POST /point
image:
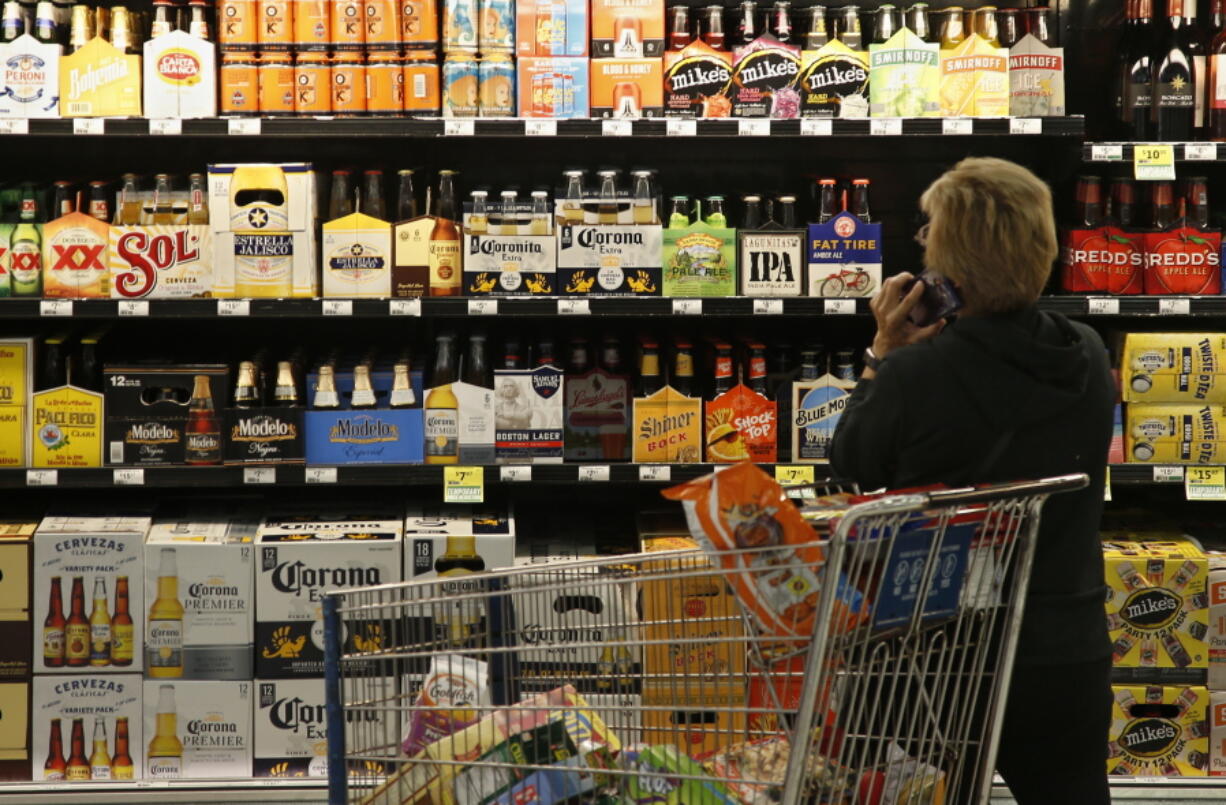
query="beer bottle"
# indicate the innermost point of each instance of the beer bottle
(715, 212)
(611, 355)
(713, 28)
(539, 223)
(952, 31)
(198, 25)
(100, 627)
(1123, 199)
(402, 386)
(78, 765)
(13, 23)
(442, 415)
(859, 200)
(753, 212)
(1162, 204)
(203, 432)
(121, 763)
(649, 380)
(76, 629)
(87, 369)
(1007, 24)
(644, 211)
(54, 767)
(326, 396)
(122, 638)
(246, 395)
(679, 212)
(81, 29)
(1138, 75)
(285, 393)
(53, 627)
(810, 368)
(163, 18)
(363, 392)
(340, 202)
(849, 27)
(781, 21)
(164, 648)
(512, 357)
(163, 207)
(747, 23)
(757, 368)
(1089, 202)
(985, 25)
(723, 369)
(787, 212)
(508, 219)
(1036, 24)
(44, 23)
(572, 204)
(123, 37)
(372, 194)
(53, 369)
(544, 353)
(129, 202)
(679, 33)
(829, 205)
(444, 245)
(197, 200)
(1197, 195)
(26, 251)
(816, 36)
(460, 558)
(1173, 105)
(406, 201)
(477, 366)
(479, 218)
(63, 203)
(916, 18)
(165, 758)
(99, 759)
(99, 202)
(886, 23)
(580, 357)
(606, 210)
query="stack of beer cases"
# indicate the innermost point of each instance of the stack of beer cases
(1217, 660)
(551, 46)
(199, 578)
(301, 554)
(86, 710)
(16, 644)
(1157, 616)
(627, 67)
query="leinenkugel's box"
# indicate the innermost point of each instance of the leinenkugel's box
(31, 78)
(180, 76)
(106, 710)
(100, 80)
(198, 729)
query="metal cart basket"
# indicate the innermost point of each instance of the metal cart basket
(647, 678)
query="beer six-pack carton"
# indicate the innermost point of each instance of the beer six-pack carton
(816, 408)
(199, 595)
(148, 422)
(66, 422)
(16, 384)
(378, 434)
(31, 78)
(357, 257)
(89, 594)
(608, 251)
(510, 254)
(1174, 433)
(845, 257)
(87, 726)
(528, 415)
(16, 748)
(198, 729)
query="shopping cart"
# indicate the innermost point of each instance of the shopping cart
(644, 678)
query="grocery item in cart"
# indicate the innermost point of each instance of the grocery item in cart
(653, 783)
(455, 687)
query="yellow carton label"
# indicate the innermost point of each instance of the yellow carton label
(12, 436)
(15, 359)
(357, 257)
(67, 428)
(75, 259)
(14, 580)
(1157, 612)
(974, 79)
(1174, 367)
(667, 428)
(100, 81)
(1159, 731)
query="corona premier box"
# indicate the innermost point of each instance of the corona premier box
(904, 77)
(16, 383)
(89, 594)
(16, 637)
(161, 262)
(302, 555)
(699, 260)
(199, 594)
(198, 729)
(974, 79)
(511, 253)
(1158, 610)
(15, 746)
(291, 728)
(1036, 79)
(357, 257)
(75, 260)
(104, 710)
(1159, 731)
(180, 76)
(833, 81)
(844, 257)
(471, 409)
(100, 81)
(31, 78)
(1174, 367)
(627, 29)
(1169, 433)
(528, 415)
(741, 425)
(145, 418)
(627, 88)
(817, 406)
(667, 428)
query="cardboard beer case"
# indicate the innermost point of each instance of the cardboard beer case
(212, 721)
(1159, 731)
(528, 420)
(1036, 79)
(75, 259)
(627, 29)
(500, 264)
(1217, 733)
(180, 76)
(380, 435)
(1169, 433)
(553, 87)
(817, 406)
(99, 702)
(597, 416)
(595, 258)
(144, 425)
(66, 428)
(763, 79)
(16, 603)
(549, 28)
(1183, 259)
(974, 79)
(16, 383)
(1106, 260)
(667, 428)
(699, 260)
(357, 257)
(772, 261)
(833, 82)
(30, 85)
(99, 80)
(694, 81)
(904, 77)
(1174, 367)
(411, 257)
(627, 88)
(845, 257)
(741, 425)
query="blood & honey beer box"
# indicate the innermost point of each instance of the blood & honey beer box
(1158, 610)
(833, 81)
(741, 425)
(16, 636)
(99, 80)
(29, 78)
(694, 81)
(98, 557)
(1159, 731)
(627, 29)
(627, 88)
(100, 713)
(904, 77)
(1174, 367)
(667, 428)
(75, 260)
(1171, 433)
(1036, 79)
(357, 257)
(198, 730)
(180, 76)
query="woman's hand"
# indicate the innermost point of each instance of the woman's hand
(891, 307)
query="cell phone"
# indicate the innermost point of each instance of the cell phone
(939, 300)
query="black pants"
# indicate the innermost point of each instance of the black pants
(1053, 748)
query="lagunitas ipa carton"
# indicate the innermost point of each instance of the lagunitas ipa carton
(31, 78)
(15, 604)
(99, 80)
(146, 420)
(667, 428)
(699, 260)
(627, 29)
(75, 260)
(845, 257)
(198, 729)
(816, 408)
(509, 250)
(1036, 79)
(741, 425)
(974, 79)
(597, 410)
(180, 76)
(627, 88)
(1174, 367)
(1169, 433)
(98, 721)
(291, 729)
(302, 555)
(549, 28)
(1159, 731)
(1185, 258)
(199, 593)
(763, 78)
(833, 81)
(772, 261)
(1158, 610)
(553, 87)
(904, 77)
(357, 257)
(1105, 259)
(528, 415)
(99, 557)
(694, 81)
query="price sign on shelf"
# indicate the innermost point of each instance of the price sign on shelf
(885, 127)
(574, 307)
(957, 125)
(42, 477)
(816, 127)
(1154, 162)
(768, 307)
(320, 475)
(687, 307)
(1106, 153)
(1102, 306)
(1205, 483)
(541, 128)
(1200, 152)
(1107, 487)
(483, 307)
(133, 307)
(55, 307)
(655, 472)
(1168, 475)
(169, 126)
(463, 484)
(616, 128)
(453, 127)
(129, 477)
(515, 473)
(839, 307)
(753, 127)
(243, 126)
(404, 307)
(338, 307)
(233, 307)
(794, 474)
(593, 472)
(88, 125)
(259, 475)
(676, 127)
(1025, 125)
(1174, 306)
(15, 125)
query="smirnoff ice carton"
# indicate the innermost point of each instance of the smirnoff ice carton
(31, 78)
(211, 723)
(108, 708)
(1036, 79)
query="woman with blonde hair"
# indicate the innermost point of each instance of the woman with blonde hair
(1004, 392)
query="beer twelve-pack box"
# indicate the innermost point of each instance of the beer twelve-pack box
(1159, 731)
(98, 557)
(88, 726)
(198, 729)
(16, 626)
(159, 414)
(291, 728)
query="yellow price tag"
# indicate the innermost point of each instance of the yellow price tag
(1205, 483)
(793, 474)
(463, 484)
(1154, 161)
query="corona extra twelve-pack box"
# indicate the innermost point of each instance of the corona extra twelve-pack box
(198, 729)
(291, 728)
(1159, 731)
(1174, 367)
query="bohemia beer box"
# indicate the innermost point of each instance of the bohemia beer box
(16, 382)
(741, 425)
(89, 594)
(620, 259)
(146, 418)
(699, 260)
(16, 637)
(667, 428)
(1175, 434)
(528, 415)
(99, 80)
(694, 81)
(1159, 731)
(199, 593)
(31, 78)
(904, 77)
(1174, 368)
(302, 555)
(844, 257)
(357, 257)
(817, 406)
(198, 729)
(180, 76)
(833, 82)
(291, 728)
(763, 77)
(98, 717)
(379, 435)
(514, 256)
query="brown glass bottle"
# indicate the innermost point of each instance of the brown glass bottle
(1216, 110)
(78, 765)
(723, 370)
(202, 432)
(1089, 202)
(1163, 204)
(682, 379)
(122, 637)
(54, 627)
(55, 767)
(121, 763)
(76, 628)
(649, 381)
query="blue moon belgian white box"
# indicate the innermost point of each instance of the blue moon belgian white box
(208, 724)
(816, 408)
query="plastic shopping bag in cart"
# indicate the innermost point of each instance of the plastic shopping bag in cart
(779, 577)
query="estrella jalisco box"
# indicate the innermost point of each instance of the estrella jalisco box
(844, 257)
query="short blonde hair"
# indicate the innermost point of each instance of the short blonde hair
(992, 232)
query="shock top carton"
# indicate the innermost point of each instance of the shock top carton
(1159, 731)
(1174, 367)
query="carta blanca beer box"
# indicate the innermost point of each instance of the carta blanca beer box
(694, 81)
(1036, 79)
(833, 82)
(263, 221)
(199, 594)
(528, 415)
(627, 88)
(148, 410)
(15, 746)
(904, 77)
(357, 257)
(88, 594)
(844, 257)
(75, 261)
(198, 729)
(817, 406)
(31, 78)
(104, 710)
(99, 80)
(291, 727)
(772, 262)
(974, 79)
(16, 637)
(551, 28)
(763, 79)
(553, 87)
(180, 76)
(667, 428)
(379, 435)
(1159, 731)
(627, 29)
(699, 260)
(302, 555)
(510, 253)
(1158, 610)
(1171, 433)
(1174, 367)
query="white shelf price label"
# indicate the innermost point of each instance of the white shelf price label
(1106, 153)
(768, 307)
(541, 128)
(687, 307)
(338, 307)
(1205, 483)
(129, 477)
(320, 475)
(243, 126)
(839, 307)
(483, 307)
(753, 127)
(55, 307)
(42, 477)
(15, 125)
(885, 127)
(1168, 475)
(574, 307)
(594, 472)
(88, 125)
(404, 307)
(233, 307)
(674, 127)
(1174, 307)
(516, 474)
(1200, 152)
(655, 472)
(1153, 162)
(259, 475)
(133, 307)
(168, 126)
(1102, 306)
(957, 125)
(616, 128)
(816, 127)
(1025, 125)
(458, 128)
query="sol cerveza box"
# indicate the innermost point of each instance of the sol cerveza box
(302, 555)
(1159, 731)
(102, 552)
(212, 722)
(94, 699)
